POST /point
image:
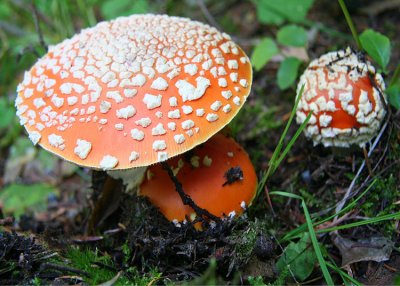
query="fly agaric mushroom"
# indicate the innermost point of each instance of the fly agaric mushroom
(218, 176)
(345, 95)
(133, 91)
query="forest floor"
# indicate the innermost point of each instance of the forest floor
(43, 240)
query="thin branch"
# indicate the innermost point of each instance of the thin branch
(207, 14)
(37, 26)
(353, 182)
(186, 199)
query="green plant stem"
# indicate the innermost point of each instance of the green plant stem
(350, 23)
(277, 156)
(343, 274)
(396, 76)
(317, 249)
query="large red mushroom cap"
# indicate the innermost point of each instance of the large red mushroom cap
(345, 95)
(218, 176)
(133, 91)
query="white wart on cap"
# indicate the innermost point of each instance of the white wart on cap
(149, 85)
(345, 96)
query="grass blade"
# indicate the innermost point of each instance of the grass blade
(274, 159)
(317, 249)
(291, 142)
(350, 24)
(343, 274)
(363, 222)
(313, 236)
(297, 231)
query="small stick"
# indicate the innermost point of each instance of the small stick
(186, 199)
(63, 268)
(367, 162)
(207, 14)
(269, 200)
(37, 26)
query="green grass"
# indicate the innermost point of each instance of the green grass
(86, 259)
(312, 233)
(279, 155)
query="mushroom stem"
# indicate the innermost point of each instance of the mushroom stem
(106, 197)
(186, 199)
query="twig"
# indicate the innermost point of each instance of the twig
(207, 14)
(367, 161)
(353, 182)
(37, 26)
(63, 268)
(186, 199)
(269, 200)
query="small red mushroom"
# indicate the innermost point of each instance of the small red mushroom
(218, 176)
(346, 97)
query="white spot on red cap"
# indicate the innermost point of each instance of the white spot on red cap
(190, 69)
(243, 83)
(189, 92)
(39, 102)
(211, 117)
(137, 134)
(159, 145)
(173, 101)
(82, 148)
(162, 156)
(144, 122)
(216, 105)
(108, 162)
(126, 112)
(105, 106)
(158, 130)
(119, 126)
(179, 138)
(187, 109)
(56, 141)
(226, 94)
(129, 93)
(171, 126)
(187, 124)
(133, 156)
(152, 101)
(34, 136)
(200, 112)
(138, 80)
(159, 84)
(233, 64)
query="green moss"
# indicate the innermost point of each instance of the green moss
(85, 259)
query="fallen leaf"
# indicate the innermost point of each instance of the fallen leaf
(374, 248)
